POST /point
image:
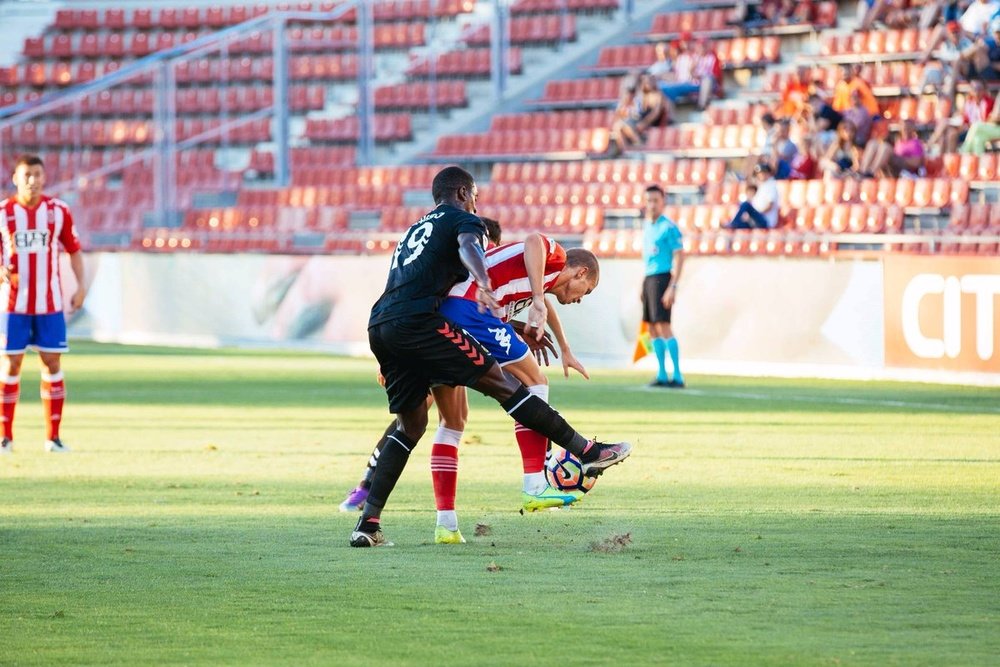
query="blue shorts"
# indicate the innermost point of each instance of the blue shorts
(498, 337)
(45, 333)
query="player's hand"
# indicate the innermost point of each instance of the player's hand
(76, 302)
(570, 361)
(380, 378)
(537, 316)
(487, 301)
(668, 298)
(5, 273)
(539, 347)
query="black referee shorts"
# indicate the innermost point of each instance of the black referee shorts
(653, 288)
(419, 351)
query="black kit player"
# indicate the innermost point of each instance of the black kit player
(416, 347)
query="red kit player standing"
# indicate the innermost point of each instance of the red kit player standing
(32, 228)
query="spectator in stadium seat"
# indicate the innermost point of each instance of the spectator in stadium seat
(973, 24)
(951, 131)
(905, 157)
(760, 212)
(896, 14)
(861, 118)
(842, 157)
(950, 61)
(683, 83)
(708, 72)
(646, 109)
(985, 55)
(982, 134)
(795, 94)
(783, 150)
(804, 12)
(824, 124)
(851, 81)
(752, 16)
(662, 69)
(806, 160)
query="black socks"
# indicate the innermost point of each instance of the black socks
(536, 414)
(391, 462)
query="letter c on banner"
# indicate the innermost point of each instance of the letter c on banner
(921, 285)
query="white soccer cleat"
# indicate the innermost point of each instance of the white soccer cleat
(6, 446)
(56, 446)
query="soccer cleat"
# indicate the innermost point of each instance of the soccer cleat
(548, 498)
(676, 384)
(355, 500)
(659, 383)
(607, 456)
(444, 536)
(360, 538)
(56, 446)
(6, 446)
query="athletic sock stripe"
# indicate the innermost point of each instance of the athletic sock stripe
(519, 404)
(401, 443)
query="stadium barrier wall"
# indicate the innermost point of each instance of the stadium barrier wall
(929, 318)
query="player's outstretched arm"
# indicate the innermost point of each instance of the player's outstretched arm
(568, 359)
(470, 252)
(534, 264)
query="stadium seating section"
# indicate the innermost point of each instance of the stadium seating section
(547, 166)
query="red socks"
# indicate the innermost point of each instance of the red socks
(53, 395)
(533, 445)
(11, 392)
(444, 467)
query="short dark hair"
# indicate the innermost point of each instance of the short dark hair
(29, 160)
(585, 258)
(492, 229)
(450, 180)
(656, 188)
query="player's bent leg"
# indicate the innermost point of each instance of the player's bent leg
(534, 413)
(357, 496)
(395, 454)
(533, 445)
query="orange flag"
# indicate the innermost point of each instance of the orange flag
(643, 343)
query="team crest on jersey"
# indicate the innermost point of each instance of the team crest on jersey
(514, 307)
(30, 241)
(502, 337)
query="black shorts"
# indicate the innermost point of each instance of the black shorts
(419, 351)
(653, 288)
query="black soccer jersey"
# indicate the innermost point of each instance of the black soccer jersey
(425, 264)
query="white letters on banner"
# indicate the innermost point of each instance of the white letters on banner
(984, 287)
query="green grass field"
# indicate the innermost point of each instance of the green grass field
(772, 522)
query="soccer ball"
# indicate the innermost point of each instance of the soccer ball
(565, 472)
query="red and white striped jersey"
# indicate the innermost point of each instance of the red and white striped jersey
(509, 276)
(30, 239)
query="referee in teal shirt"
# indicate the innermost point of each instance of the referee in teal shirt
(663, 257)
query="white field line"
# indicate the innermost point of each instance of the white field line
(839, 400)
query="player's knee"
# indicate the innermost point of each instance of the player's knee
(413, 424)
(12, 364)
(498, 385)
(454, 422)
(51, 362)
